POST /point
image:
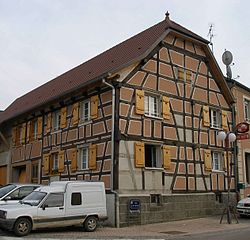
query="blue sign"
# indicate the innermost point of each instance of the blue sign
(134, 204)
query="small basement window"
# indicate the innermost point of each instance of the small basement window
(155, 199)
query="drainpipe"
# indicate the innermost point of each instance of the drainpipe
(235, 154)
(112, 154)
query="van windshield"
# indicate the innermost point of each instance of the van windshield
(34, 198)
(6, 189)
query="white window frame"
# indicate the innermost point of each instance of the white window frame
(56, 120)
(152, 105)
(83, 160)
(156, 158)
(84, 117)
(217, 160)
(246, 109)
(55, 161)
(215, 116)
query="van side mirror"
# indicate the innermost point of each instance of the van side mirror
(44, 206)
(7, 198)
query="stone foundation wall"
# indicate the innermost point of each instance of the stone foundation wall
(171, 207)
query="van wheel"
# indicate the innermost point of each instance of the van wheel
(22, 227)
(90, 224)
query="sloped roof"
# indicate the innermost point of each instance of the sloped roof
(94, 69)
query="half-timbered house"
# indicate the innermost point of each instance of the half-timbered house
(142, 117)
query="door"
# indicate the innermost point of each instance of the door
(51, 212)
(3, 175)
(22, 175)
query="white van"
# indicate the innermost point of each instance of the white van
(64, 203)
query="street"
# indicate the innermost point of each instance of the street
(202, 228)
(239, 234)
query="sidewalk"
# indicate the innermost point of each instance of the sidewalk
(150, 231)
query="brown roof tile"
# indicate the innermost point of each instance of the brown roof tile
(108, 61)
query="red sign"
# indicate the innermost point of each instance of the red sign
(242, 127)
(242, 136)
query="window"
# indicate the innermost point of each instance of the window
(76, 199)
(152, 105)
(55, 161)
(35, 129)
(83, 158)
(155, 199)
(54, 200)
(247, 109)
(153, 156)
(217, 161)
(56, 120)
(34, 173)
(247, 161)
(215, 118)
(85, 111)
(20, 134)
(20, 193)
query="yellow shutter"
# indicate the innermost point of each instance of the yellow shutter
(75, 114)
(63, 122)
(206, 118)
(61, 161)
(46, 160)
(94, 107)
(92, 157)
(188, 75)
(14, 136)
(207, 160)
(139, 101)
(23, 132)
(39, 127)
(224, 120)
(28, 132)
(225, 161)
(181, 74)
(166, 157)
(165, 107)
(73, 158)
(139, 154)
(49, 122)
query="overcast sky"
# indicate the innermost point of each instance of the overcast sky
(41, 39)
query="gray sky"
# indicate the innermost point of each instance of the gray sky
(41, 39)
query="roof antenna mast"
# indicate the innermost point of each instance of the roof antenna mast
(211, 36)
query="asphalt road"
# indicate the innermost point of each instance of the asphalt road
(239, 234)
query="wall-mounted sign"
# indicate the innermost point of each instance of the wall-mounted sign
(134, 205)
(242, 127)
(242, 136)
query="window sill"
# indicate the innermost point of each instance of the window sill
(218, 171)
(56, 131)
(82, 123)
(216, 128)
(154, 169)
(154, 117)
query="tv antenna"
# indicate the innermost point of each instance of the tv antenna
(211, 36)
